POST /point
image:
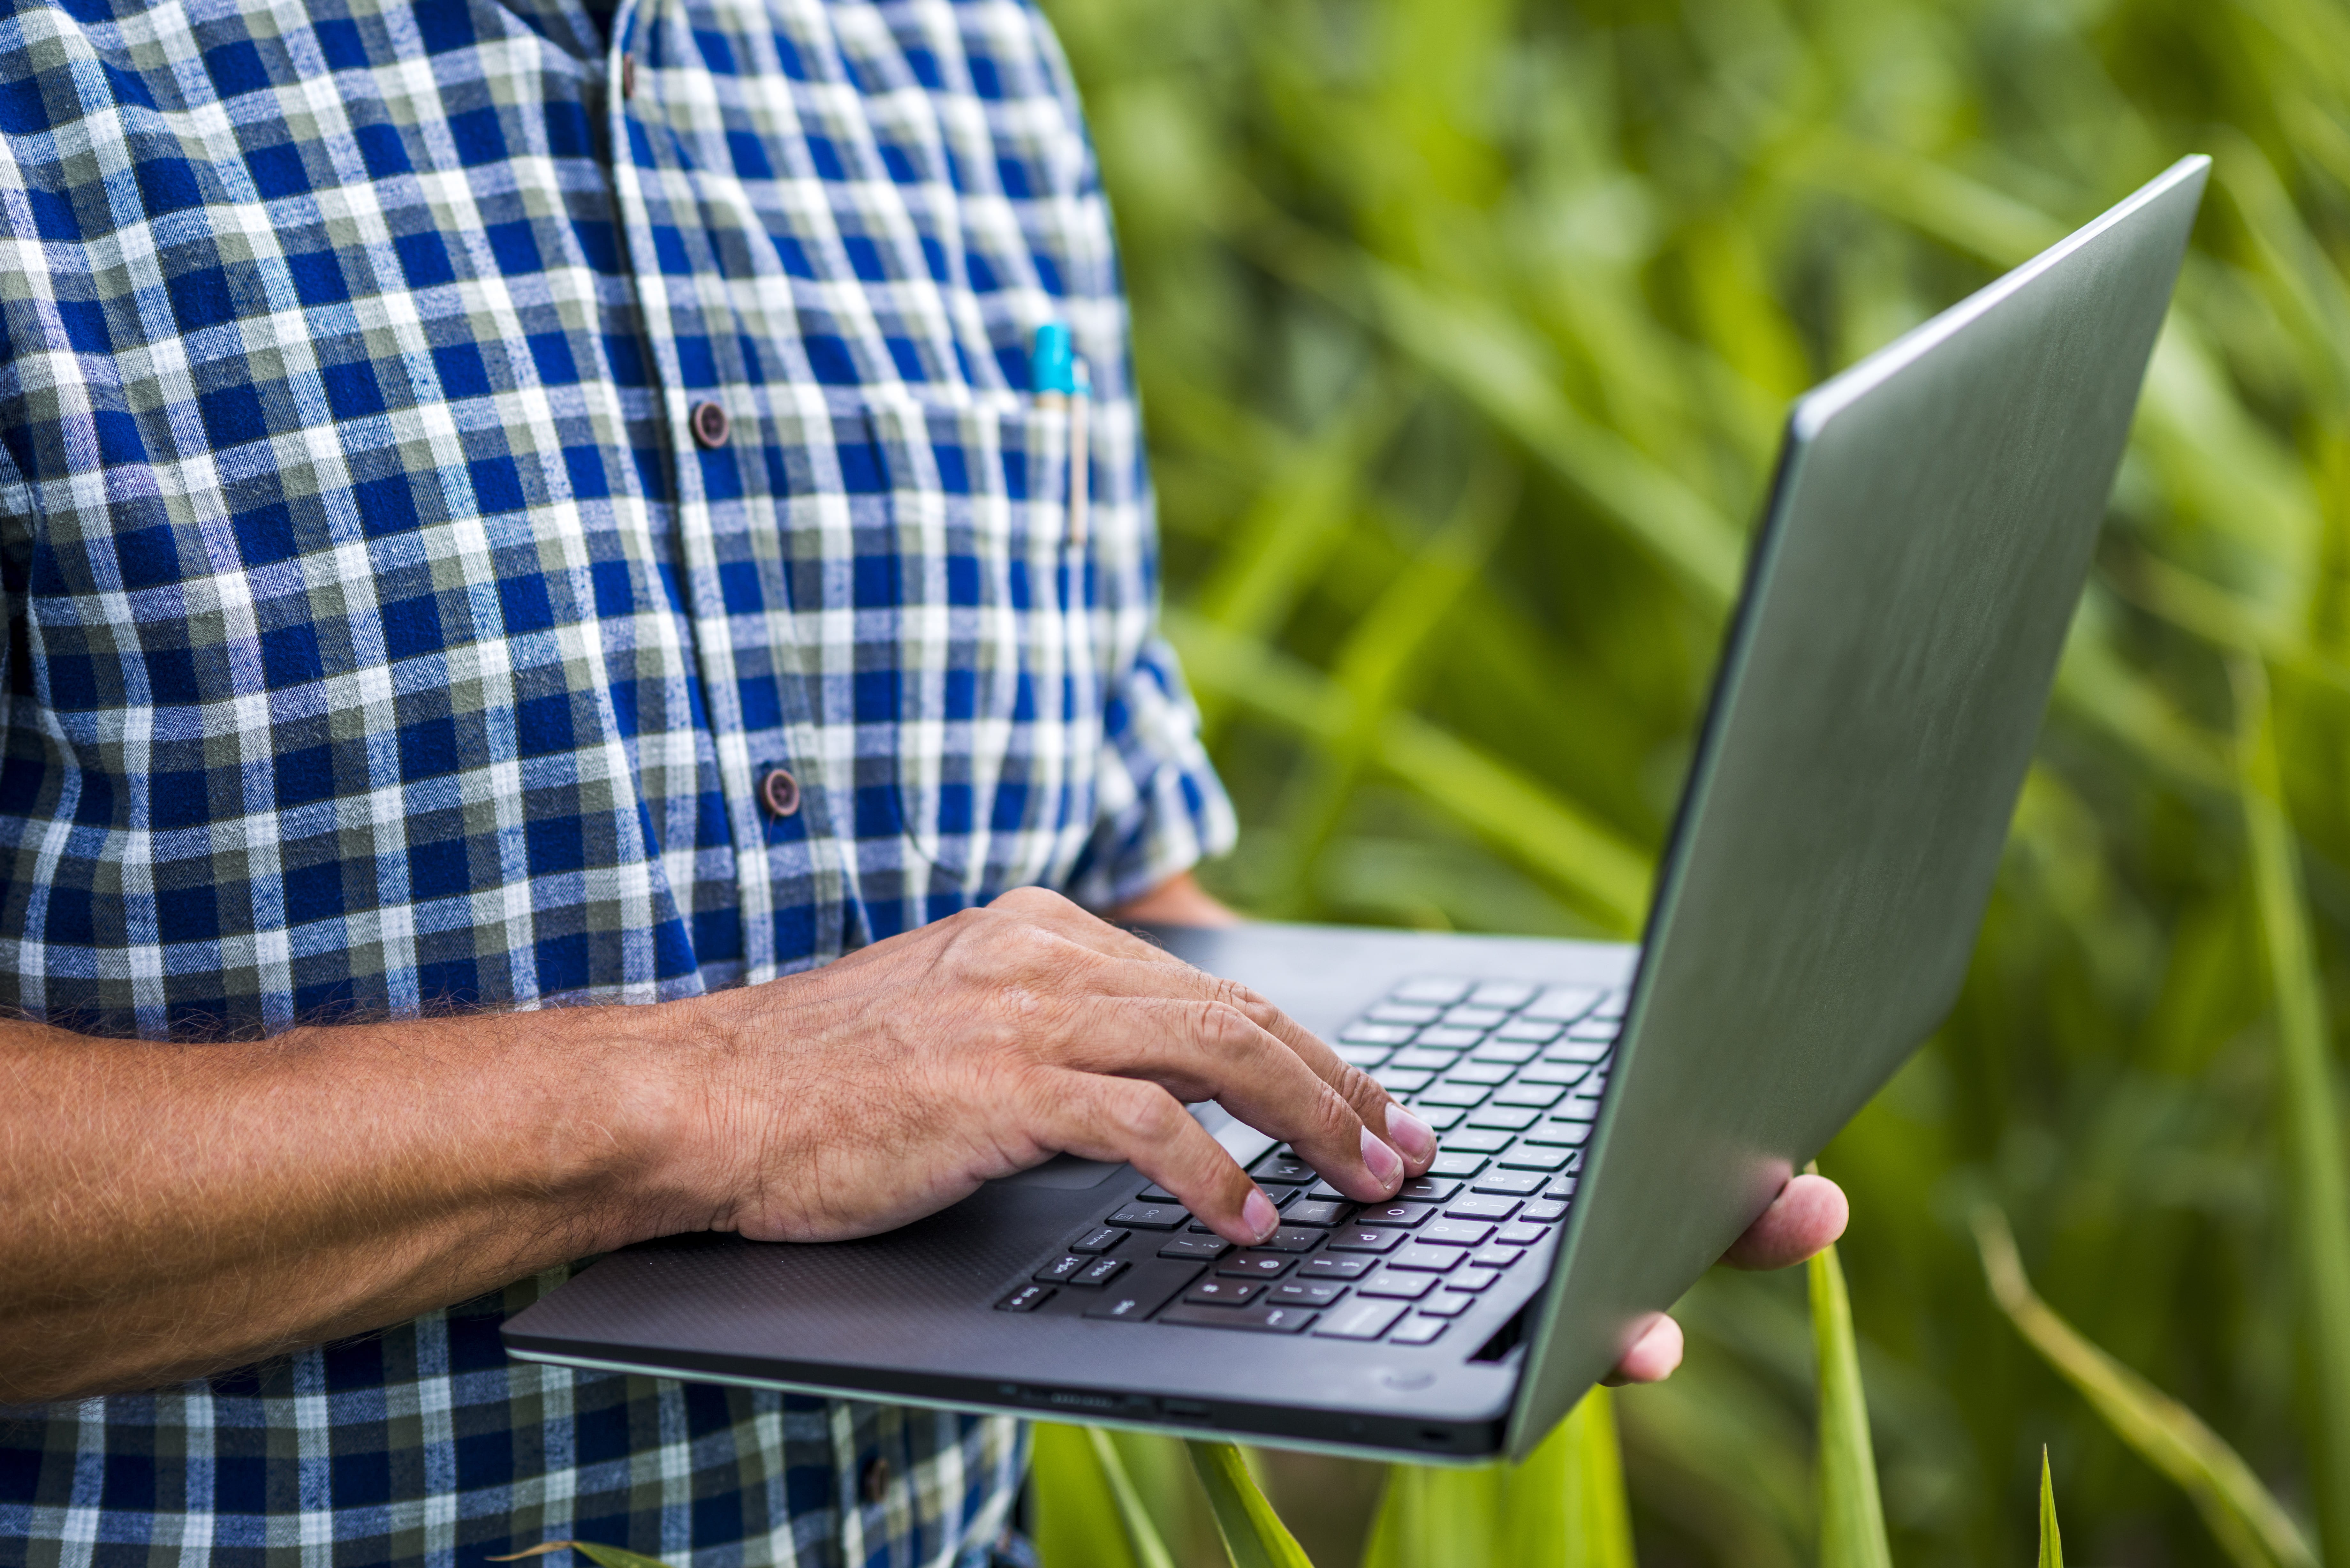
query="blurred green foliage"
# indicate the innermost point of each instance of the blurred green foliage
(1465, 328)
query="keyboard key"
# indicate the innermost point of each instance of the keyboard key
(1478, 1141)
(1475, 1072)
(1536, 1157)
(1292, 1238)
(1262, 1319)
(1583, 1105)
(1143, 1292)
(1150, 1216)
(1402, 1287)
(1440, 1118)
(1510, 1183)
(1563, 1004)
(1516, 1118)
(1100, 1272)
(1503, 1051)
(1602, 1030)
(1067, 1266)
(1573, 1134)
(1549, 1071)
(1403, 1080)
(1283, 1165)
(1478, 1206)
(1360, 1320)
(1439, 990)
(1366, 1238)
(1496, 1257)
(1447, 1303)
(1363, 1056)
(1305, 1292)
(1427, 1190)
(1328, 1266)
(1028, 1298)
(1465, 1162)
(1549, 1211)
(1562, 1187)
(1502, 993)
(1318, 1212)
(1402, 1213)
(1532, 1030)
(1443, 1035)
(1403, 1013)
(1478, 1018)
(1420, 1056)
(1376, 1034)
(1199, 1249)
(1573, 1050)
(1419, 1331)
(1612, 1005)
(1456, 1232)
(1424, 1259)
(1225, 1293)
(1254, 1265)
(1472, 1278)
(1451, 1093)
(1542, 1096)
(1100, 1240)
(1520, 1234)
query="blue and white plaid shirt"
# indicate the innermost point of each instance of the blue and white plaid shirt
(381, 636)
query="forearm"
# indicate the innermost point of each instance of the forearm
(168, 1210)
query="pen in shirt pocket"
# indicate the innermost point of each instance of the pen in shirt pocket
(1063, 386)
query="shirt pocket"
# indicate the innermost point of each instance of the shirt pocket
(994, 702)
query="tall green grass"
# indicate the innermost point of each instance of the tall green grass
(1465, 328)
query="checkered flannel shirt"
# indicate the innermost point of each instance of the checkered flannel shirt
(382, 638)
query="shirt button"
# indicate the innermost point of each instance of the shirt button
(710, 425)
(873, 1481)
(781, 792)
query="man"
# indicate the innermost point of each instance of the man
(508, 507)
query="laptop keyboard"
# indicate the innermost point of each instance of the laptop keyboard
(1508, 1074)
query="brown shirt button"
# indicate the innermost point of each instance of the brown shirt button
(710, 425)
(781, 792)
(873, 1481)
(628, 76)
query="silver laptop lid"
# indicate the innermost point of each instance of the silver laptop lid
(1879, 694)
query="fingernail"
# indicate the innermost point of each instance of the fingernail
(1415, 1137)
(1386, 1164)
(1259, 1215)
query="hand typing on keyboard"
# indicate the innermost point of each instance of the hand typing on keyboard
(851, 1099)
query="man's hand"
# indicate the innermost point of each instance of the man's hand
(1808, 1214)
(892, 1083)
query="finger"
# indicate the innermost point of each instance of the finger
(1652, 1358)
(1125, 1119)
(1202, 1050)
(1809, 1213)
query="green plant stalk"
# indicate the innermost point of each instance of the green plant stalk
(2246, 1519)
(1141, 1533)
(1598, 1511)
(2313, 1118)
(2052, 1544)
(1252, 1534)
(1852, 1516)
(1078, 1521)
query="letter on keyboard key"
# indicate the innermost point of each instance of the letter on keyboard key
(1456, 1232)
(1425, 1259)
(1541, 1096)
(1327, 1267)
(1419, 1331)
(1283, 1166)
(1254, 1266)
(1471, 1279)
(1028, 1298)
(1100, 1272)
(1199, 1249)
(1290, 1239)
(1447, 1303)
(1065, 1267)
(1427, 1190)
(1305, 1292)
(1522, 1235)
(1480, 1207)
(1360, 1320)
(1496, 1257)
(1316, 1211)
(1440, 1118)
(1463, 1164)
(1150, 1216)
(1099, 1240)
(1394, 1213)
(1401, 1287)
(1513, 1183)
(1264, 1319)
(1143, 1291)
(1366, 1238)
(1549, 1211)
(1513, 1118)
(1224, 1292)
(1477, 1140)
(1539, 1157)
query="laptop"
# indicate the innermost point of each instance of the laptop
(1611, 1116)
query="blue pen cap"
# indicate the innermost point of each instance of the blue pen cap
(1052, 363)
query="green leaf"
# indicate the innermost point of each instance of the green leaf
(2052, 1544)
(1089, 1513)
(2249, 1522)
(1852, 1517)
(1565, 1507)
(2312, 1114)
(1252, 1534)
(594, 1550)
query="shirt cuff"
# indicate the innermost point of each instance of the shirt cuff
(1161, 808)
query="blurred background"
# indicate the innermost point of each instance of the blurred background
(1465, 329)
